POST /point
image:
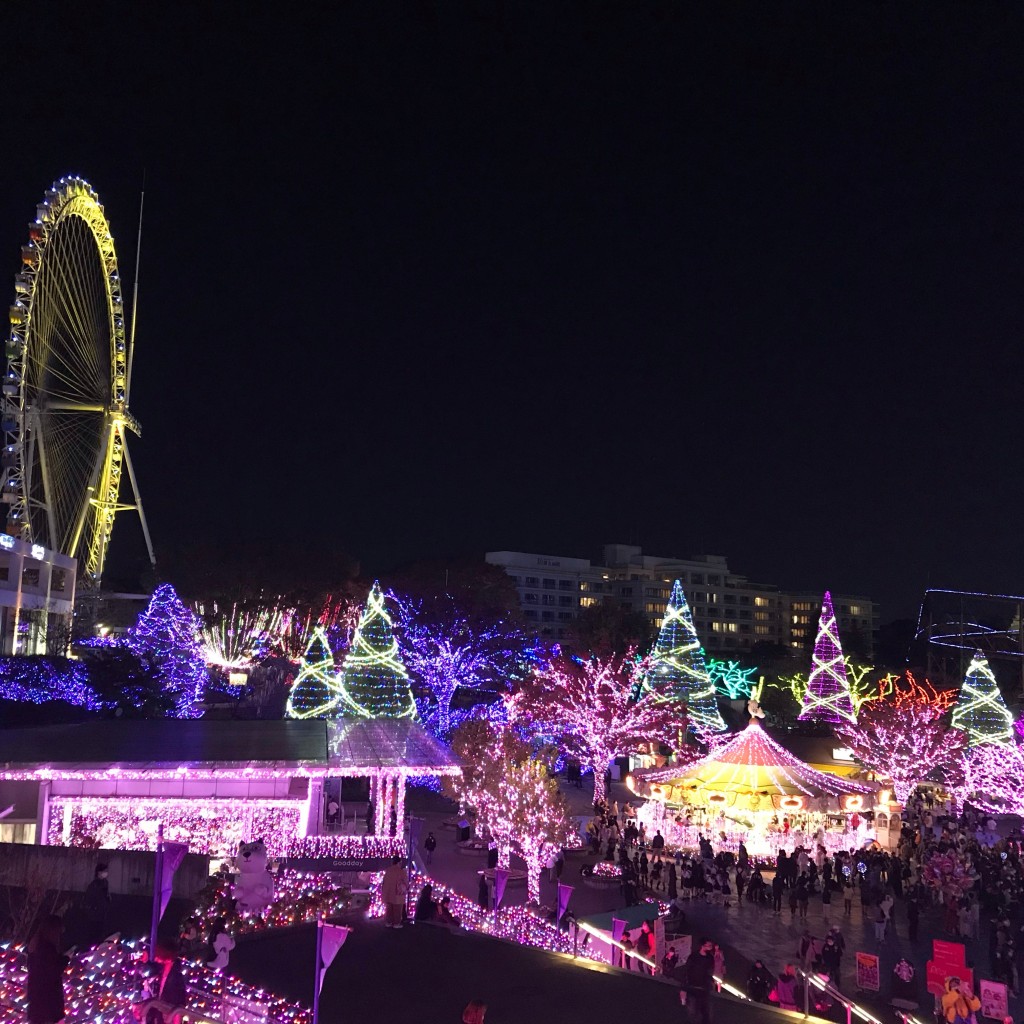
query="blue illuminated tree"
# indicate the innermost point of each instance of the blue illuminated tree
(166, 637)
(677, 659)
(374, 682)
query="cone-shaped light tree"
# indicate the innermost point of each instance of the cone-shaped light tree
(315, 692)
(590, 707)
(166, 637)
(374, 681)
(676, 665)
(980, 709)
(827, 697)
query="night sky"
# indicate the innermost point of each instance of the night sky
(428, 279)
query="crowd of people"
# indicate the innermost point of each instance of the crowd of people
(955, 867)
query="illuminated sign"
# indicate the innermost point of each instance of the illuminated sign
(38, 552)
(6, 541)
(842, 754)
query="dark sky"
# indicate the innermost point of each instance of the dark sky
(428, 279)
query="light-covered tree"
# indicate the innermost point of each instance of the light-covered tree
(590, 707)
(904, 737)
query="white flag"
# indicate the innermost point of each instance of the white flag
(333, 938)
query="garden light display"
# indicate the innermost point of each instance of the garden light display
(904, 737)
(207, 825)
(315, 692)
(827, 698)
(166, 636)
(40, 680)
(731, 678)
(994, 778)
(591, 707)
(374, 681)
(106, 986)
(676, 665)
(981, 711)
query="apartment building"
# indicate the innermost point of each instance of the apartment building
(731, 613)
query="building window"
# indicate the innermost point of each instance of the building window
(762, 630)
(548, 616)
(588, 602)
(744, 599)
(30, 577)
(762, 602)
(532, 581)
(530, 599)
(566, 585)
(730, 598)
(531, 614)
(549, 584)
(58, 580)
(625, 591)
(547, 598)
(714, 581)
(697, 577)
(565, 616)
(855, 609)
(565, 601)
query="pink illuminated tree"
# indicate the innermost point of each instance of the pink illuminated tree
(588, 706)
(993, 778)
(904, 736)
(517, 802)
(827, 697)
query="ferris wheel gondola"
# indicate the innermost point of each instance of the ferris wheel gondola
(65, 393)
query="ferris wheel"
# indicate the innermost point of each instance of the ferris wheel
(65, 392)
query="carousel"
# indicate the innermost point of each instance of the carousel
(752, 790)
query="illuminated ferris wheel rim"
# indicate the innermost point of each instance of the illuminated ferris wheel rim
(73, 510)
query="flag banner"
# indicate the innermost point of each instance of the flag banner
(332, 939)
(500, 881)
(173, 855)
(564, 894)
(415, 828)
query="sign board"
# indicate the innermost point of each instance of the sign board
(952, 953)
(338, 863)
(868, 973)
(239, 1010)
(994, 1002)
(938, 973)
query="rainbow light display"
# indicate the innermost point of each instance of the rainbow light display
(238, 638)
(981, 711)
(374, 682)
(105, 986)
(827, 697)
(677, 663)
(214, 826)
(315, 692)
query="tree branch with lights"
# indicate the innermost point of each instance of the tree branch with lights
(904, 736)
(589, 706)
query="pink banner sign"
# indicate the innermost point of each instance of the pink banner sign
(500, 881)
(564, 895)
(172, 856)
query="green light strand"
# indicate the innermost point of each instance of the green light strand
(981, 711)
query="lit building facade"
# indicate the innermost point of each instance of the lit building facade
(37, 598)
(731, 612)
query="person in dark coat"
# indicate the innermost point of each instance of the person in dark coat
(430, 845)
(46, 965)
(483, 894)
(673, 881)
(426, 907)
(96, 906)
(700, 968)
(759, 982)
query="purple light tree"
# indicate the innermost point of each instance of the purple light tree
(166, 636)
(827, 697)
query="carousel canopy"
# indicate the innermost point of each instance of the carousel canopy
(752, 762)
